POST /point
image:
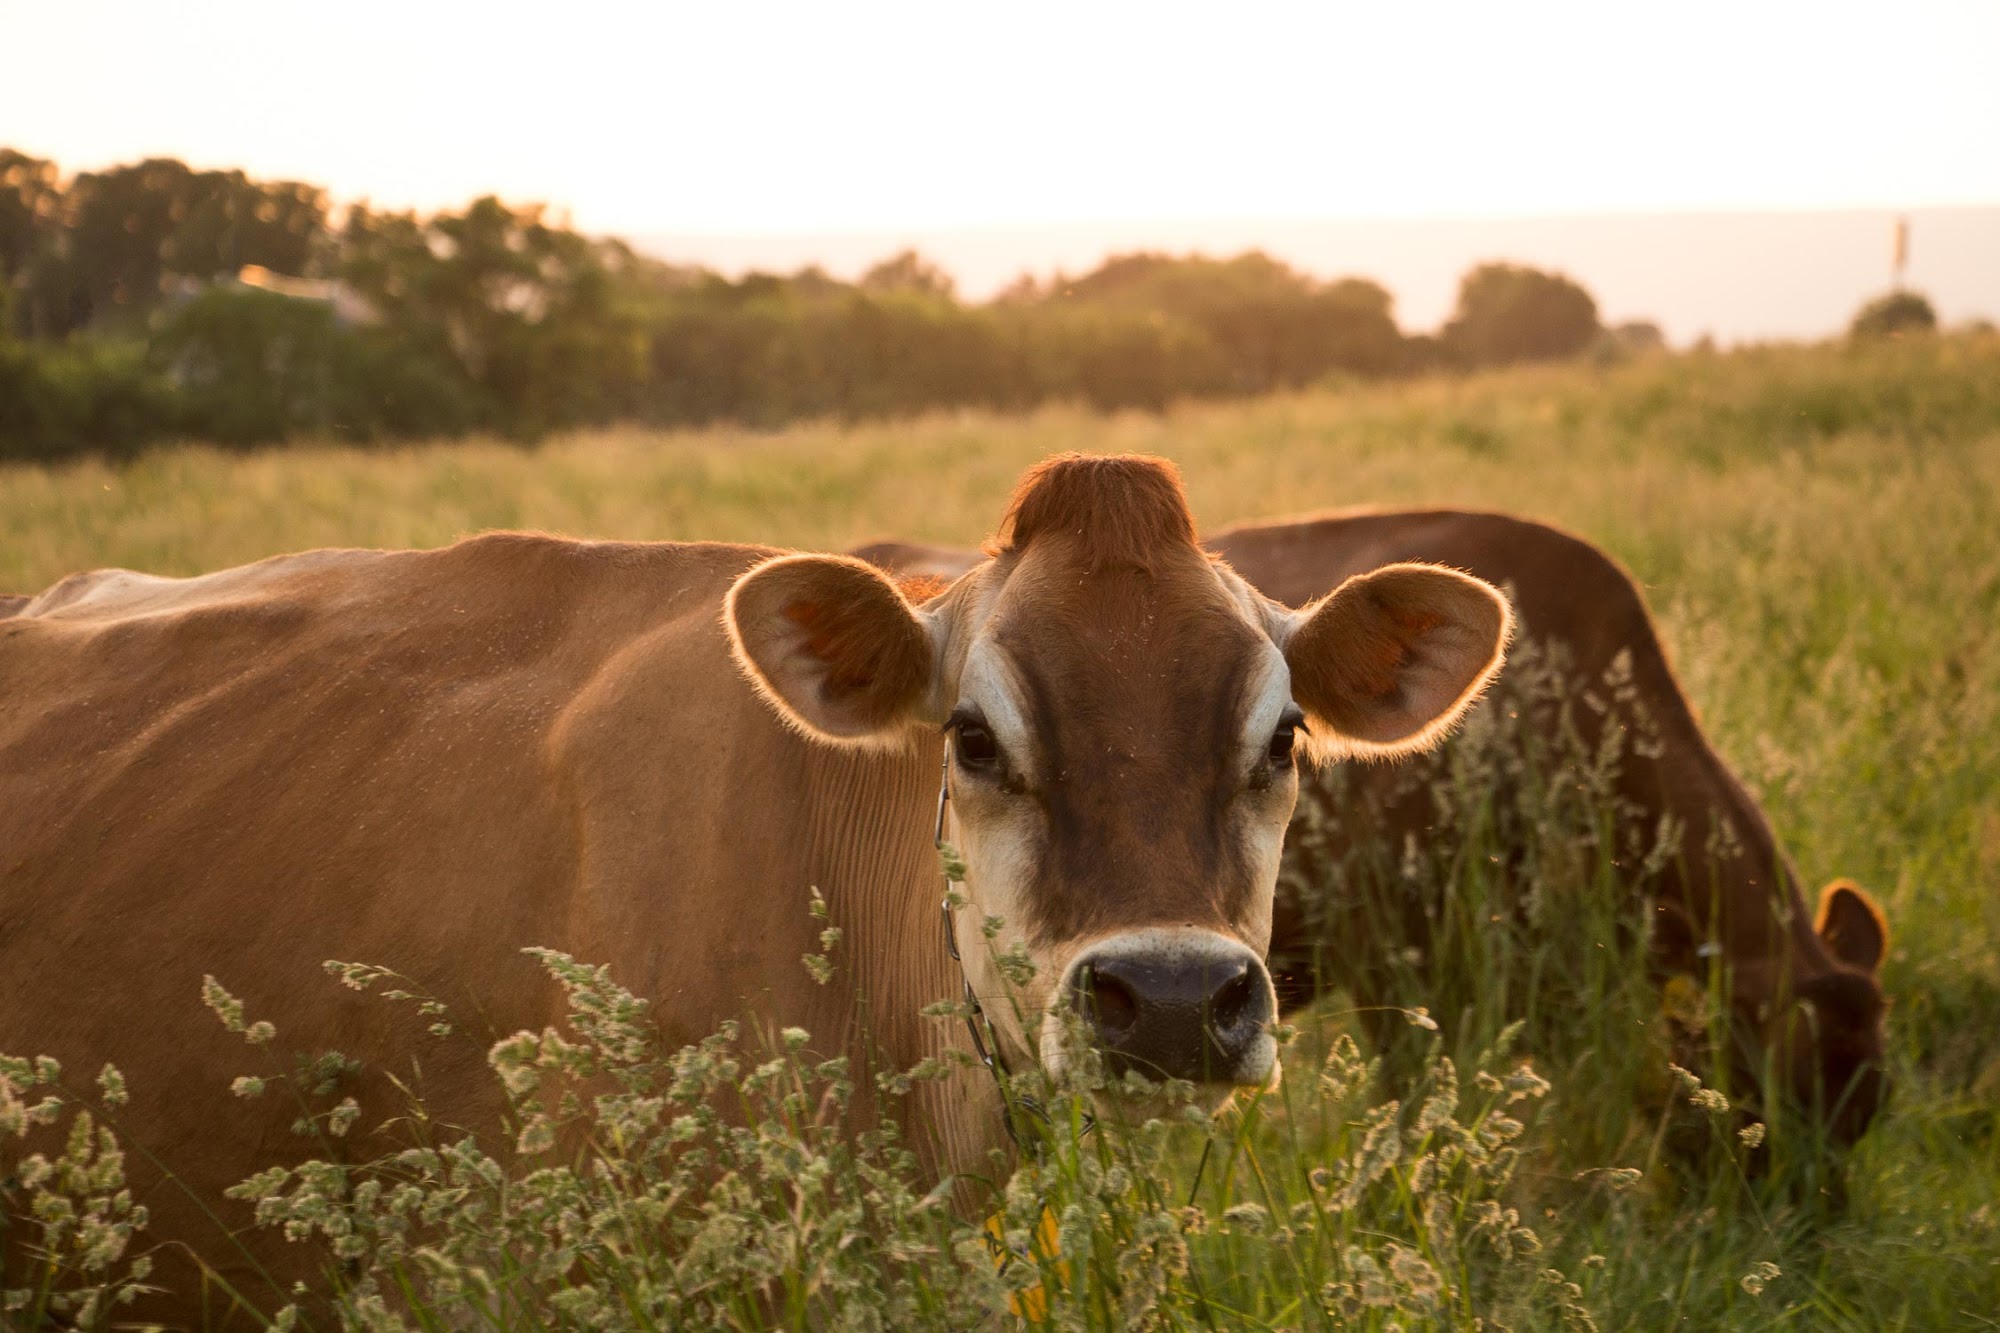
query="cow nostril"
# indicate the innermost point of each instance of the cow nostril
(1234, 1006)
(1108, 1003)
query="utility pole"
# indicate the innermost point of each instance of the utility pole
(1902, 259)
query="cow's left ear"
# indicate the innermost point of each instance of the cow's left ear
(1384, 664)
(1851, 925)
(833, 646)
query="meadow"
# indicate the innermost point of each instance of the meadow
(1817, 530)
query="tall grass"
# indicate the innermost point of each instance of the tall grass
(1815, 529)
(731, 1186)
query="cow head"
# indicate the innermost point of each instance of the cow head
(1806, 1017)
(1829, 1036)
(1125, 715)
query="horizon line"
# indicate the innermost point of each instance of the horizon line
(1300, 220)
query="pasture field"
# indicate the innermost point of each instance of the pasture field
(1818, 533)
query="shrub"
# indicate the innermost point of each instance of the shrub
(1509, 313)
(254, 367)
(1894, 315)
(59, 399)
(250, 366)
(1112, 358)
(1268, 326)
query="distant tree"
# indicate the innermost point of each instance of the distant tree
(1271, 326)
(250, 365)
(1141, 274)
(908, 272)
(1023, 290)
(1357, 327)
(224, 221)
(1625, 342)
(526, 313)
(1509, 313)
(83, 395)
(128, 232)
(30, 224)
(814, 283)
(1894, 315)
(1423, 354)
(502, 317)
(1114, 357)
(118, 226)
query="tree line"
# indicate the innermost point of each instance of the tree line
(154, 300)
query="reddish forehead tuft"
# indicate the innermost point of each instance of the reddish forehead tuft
(1127, 510)
(920, 588)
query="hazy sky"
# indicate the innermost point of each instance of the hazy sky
(859, 115)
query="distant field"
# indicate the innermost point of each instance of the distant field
(1818, 531)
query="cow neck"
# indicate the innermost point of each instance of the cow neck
(985, 1042)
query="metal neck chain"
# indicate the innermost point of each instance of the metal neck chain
(985, 1042)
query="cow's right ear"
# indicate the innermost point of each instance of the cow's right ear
(833, 646)
(1851, 925)
(1384, 664)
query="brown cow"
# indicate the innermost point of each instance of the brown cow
(1801, 984)
(647, 756)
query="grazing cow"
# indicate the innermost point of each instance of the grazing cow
(648, 756)
(1801, 985)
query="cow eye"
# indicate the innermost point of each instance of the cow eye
(1285, 737)
(976, 746)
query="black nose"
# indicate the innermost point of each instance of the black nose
(1201, 1018)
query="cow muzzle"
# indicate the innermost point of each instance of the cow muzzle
(1182, 1004)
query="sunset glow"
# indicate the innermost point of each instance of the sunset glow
(813, 118)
